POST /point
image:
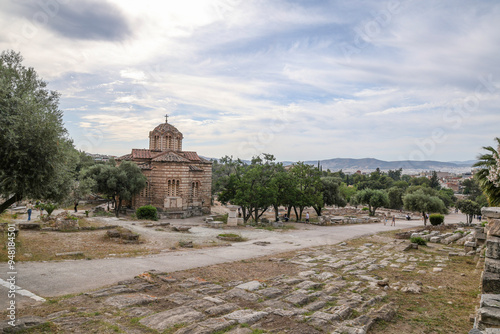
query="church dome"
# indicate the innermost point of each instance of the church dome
(165, 137)
(166, 128)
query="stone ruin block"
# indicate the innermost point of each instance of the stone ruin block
(493, 247)
(491, 282)
(492, 265)
(491, 212)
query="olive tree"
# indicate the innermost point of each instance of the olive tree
(34, 144)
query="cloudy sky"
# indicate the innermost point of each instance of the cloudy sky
(302, 80)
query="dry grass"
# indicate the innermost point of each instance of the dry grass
(43, 246)
(448, 298)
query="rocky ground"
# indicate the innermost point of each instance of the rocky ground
(372, 285)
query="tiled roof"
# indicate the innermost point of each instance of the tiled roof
(124, 157)
(193, 156)
(169, 156)
(195, 169)
(141, 154)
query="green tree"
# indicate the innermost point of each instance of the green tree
(285, 187)
(434, 181)
(33, 141)
(471, 188)
(424, 203)
(118, 183)
(373, 198)
(251, 186)
(395, 195)
(469, 208)
(330, 187)
(420, 181)
(347, 192)
(395, 174)
(308, 187)
(489, 173)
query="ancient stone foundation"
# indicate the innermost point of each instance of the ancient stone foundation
(488, 315)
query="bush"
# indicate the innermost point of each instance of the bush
(436, 219)
(147, 212)
(418, 241)
(364, 209)
(49, 207)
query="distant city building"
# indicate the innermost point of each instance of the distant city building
(179, 182)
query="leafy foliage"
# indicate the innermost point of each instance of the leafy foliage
(469, 208)
(117, 183)
(436, 219)
(418, 240)
(373, 198)
(33, 141)
(423, 202)
(147, 212)
(489, 174)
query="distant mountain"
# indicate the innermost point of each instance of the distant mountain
(464, 163)
(372, 164)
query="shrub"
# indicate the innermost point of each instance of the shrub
(147, 212)
(49, 207)
(364, 209)
(418, 241)
(436, 219)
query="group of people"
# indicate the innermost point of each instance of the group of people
(393, 220)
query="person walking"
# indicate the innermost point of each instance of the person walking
(29, 206)
(307, 217)
(385, 219)
(393, 223)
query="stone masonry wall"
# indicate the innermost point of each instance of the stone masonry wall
(488, 315)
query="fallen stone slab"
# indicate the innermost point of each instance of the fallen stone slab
(270, 292)
(412, 288)
(262, 243)
(251, 286)
(209, 326)
(29, 226)
(77, 253)
(241, 294)
(166, 319)
(181, 228)
(113, 233)
(246, 316)
(21, 324)
(110, 291)
(221, 309)
(123, 301)
(298, 299)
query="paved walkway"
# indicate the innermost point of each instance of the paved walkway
(57, 278)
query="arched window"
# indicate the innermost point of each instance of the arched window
(195, 189)
(173, 188)
(145, 191)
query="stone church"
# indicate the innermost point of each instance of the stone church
(179, 183)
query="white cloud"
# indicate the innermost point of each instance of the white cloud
(230, 71)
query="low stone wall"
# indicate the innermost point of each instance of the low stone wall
(488, 315)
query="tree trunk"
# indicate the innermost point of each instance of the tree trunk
(289, 211)
(256, 214)
(425, 218)
(296, 213)
(5, 205)
(301, 209)
(276, 215)
(244, 212)
(118, 207)
(317, 209)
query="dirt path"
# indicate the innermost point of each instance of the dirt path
(56, 278)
